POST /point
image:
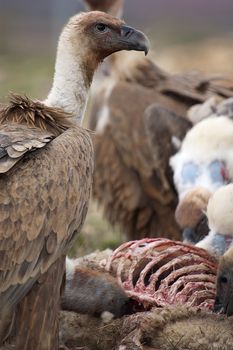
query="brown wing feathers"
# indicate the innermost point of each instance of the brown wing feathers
(195, 86)
(43, 197)
(25, 126)
(16, 140)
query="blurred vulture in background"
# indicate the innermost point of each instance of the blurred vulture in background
(113, 7)
(137, 111)
(203, 164)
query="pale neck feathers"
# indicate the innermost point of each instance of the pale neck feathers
(73, 74)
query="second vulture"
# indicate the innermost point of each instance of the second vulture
(140, 108)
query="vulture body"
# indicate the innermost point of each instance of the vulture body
(137, 110)
(44, 201)
(45, 193)
(142, 113)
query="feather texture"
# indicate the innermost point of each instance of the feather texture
(132, 179)
(44, 194)
(22, 110)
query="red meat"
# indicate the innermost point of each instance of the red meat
(160, 272)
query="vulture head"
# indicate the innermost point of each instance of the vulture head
(190, 214)
(202, 165)
(86, 40)
(224, 291)
(113, 7)
(96, 35)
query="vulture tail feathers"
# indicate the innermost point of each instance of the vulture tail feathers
(14, 294)
(9, 299)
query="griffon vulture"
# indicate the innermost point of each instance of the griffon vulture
(202, 165)
(46, 165)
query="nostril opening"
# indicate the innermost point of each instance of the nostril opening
(189, 235)
(127, 32)
(223, 279)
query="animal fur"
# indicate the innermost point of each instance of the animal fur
(92, 292)
(178, 328)
(161, 328)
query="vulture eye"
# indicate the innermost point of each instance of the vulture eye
(218, 172)
(223, 279)
(101, 27)
(190, 173)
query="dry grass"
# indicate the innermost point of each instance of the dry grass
(25, 75)
(96, 234)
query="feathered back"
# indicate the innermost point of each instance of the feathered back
(25, 126)
(193, 86)
(137, 69)
(22, 110)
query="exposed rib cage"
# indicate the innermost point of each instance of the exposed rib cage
(159, 272)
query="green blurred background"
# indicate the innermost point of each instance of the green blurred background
(185, 35)
(29, 32)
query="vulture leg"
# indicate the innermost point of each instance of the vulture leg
(36, 330)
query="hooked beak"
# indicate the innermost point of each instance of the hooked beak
(134, 39)
(224, 295)
(226, 308)
(218, 307)
(189, 236)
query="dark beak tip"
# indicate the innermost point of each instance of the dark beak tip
(218, 307)
(146, 50)
(138, 40)
(145, 44)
